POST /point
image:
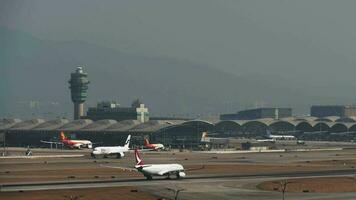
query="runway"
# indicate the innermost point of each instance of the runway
(225, 176)
(159, 180)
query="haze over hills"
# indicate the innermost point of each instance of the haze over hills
(178, 56)
(167, 86)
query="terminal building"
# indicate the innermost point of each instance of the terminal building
(173, 133)
(258, 113)
(113, 110)
(109, 124)
(341, 111)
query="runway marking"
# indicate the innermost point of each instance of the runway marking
(43, 156)
(141, 181)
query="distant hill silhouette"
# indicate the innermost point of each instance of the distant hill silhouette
(39, 70)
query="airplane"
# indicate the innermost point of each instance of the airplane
(153, 147)
(279, 137)
(150, 170)
(267, 140)
(71, 143)
(205, 138)
(113, 150)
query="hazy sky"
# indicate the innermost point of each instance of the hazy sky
(308, 42)
(236, 36)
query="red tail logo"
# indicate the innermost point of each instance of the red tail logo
(146, 142)
(62, 136)
(139, 161)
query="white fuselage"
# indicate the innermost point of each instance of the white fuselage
(161, 169)
(282, 137)
(109, 150)
(159, 146)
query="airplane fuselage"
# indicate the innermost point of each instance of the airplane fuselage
(154, 146)
(78, 143)
(109, 150)
(161, 170)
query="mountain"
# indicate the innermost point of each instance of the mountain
(37, 71)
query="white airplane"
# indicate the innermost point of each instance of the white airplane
(150, 170)
(266, 140)
(114, 150)
(279, 137)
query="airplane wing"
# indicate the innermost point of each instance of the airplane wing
(49, 142)
(122, 168)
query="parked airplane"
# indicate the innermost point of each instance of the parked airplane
(206, 139)
(114, 150)
(279, 137)
(267, 140)
(71, 143)
(150, 170)
(154, 147)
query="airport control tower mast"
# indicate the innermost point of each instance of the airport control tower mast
(78, 88)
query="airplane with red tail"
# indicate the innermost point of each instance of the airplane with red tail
(78, 144)
(153, 147)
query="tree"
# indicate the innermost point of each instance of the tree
(176, 192)
(283, 186)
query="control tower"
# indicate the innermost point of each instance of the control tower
(78, 89)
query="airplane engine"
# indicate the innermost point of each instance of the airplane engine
(181, 174)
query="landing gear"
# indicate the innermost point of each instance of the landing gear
(92, 155)
(148, 177)
(118, 156)
(105, 156)
(177, 175)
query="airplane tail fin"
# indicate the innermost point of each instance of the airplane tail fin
(268, 132)
(139, 161)
(146, 142)
(62, 136)
(127, 143)
(204, 137)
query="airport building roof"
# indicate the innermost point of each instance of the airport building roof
(99, 125)
(123, 125)
(154, 125)
(27, 125)
(51, 124)
(76, 125)
(307, 124)
(8, 123)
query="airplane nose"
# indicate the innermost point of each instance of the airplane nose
(181, 174)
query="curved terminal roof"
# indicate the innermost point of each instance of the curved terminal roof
(76, 125)
(122, 126)
(28, 124)
(52, 124)
(8, 123)
(99, 125)
(197, 123)
(328, 119)
(332, 124)
(154, 125)
(306, 118)
(347, 119)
